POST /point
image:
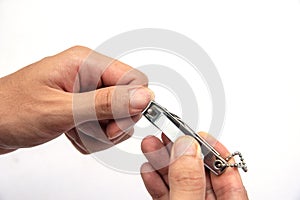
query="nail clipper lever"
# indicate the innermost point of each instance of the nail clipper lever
(173, 127)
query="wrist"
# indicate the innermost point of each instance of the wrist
(3, 147)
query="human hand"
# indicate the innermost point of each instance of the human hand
(186, 178)
(92, 98)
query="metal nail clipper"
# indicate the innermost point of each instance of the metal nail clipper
(173, 127)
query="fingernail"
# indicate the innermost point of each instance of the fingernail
(186, 146)
(115, 135)
(140, 97)
(122, 137)
(119, 133)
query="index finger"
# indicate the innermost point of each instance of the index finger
(229, 185)
(118, 73)
(110, 71)
(80, 69)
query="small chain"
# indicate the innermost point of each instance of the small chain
(241, 164)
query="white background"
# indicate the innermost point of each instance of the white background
(254, 44)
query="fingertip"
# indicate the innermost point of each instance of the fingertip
(146, 168)
(124, 136)
(146, 139)
(150, 93)
(154, 182)
(203, 134)
(150, 143)
(185, 146)
(215, 143)
(115, 127)
(140, 97)
(165, 139)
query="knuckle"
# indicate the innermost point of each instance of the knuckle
(104, 101)
(132, 76)
(46, 59)
(230, 190)
(78, 48)
(78, 52)
(187, 180)
(139, 78)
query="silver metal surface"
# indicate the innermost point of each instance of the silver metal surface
(173, 127)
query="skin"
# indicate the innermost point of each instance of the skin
(185, 177)
(95, 100)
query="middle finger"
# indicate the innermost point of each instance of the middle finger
(157, 154)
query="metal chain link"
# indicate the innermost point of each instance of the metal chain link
(241, 164)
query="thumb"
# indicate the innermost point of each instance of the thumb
(186, 171)
(111, 103)
(122, 101)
